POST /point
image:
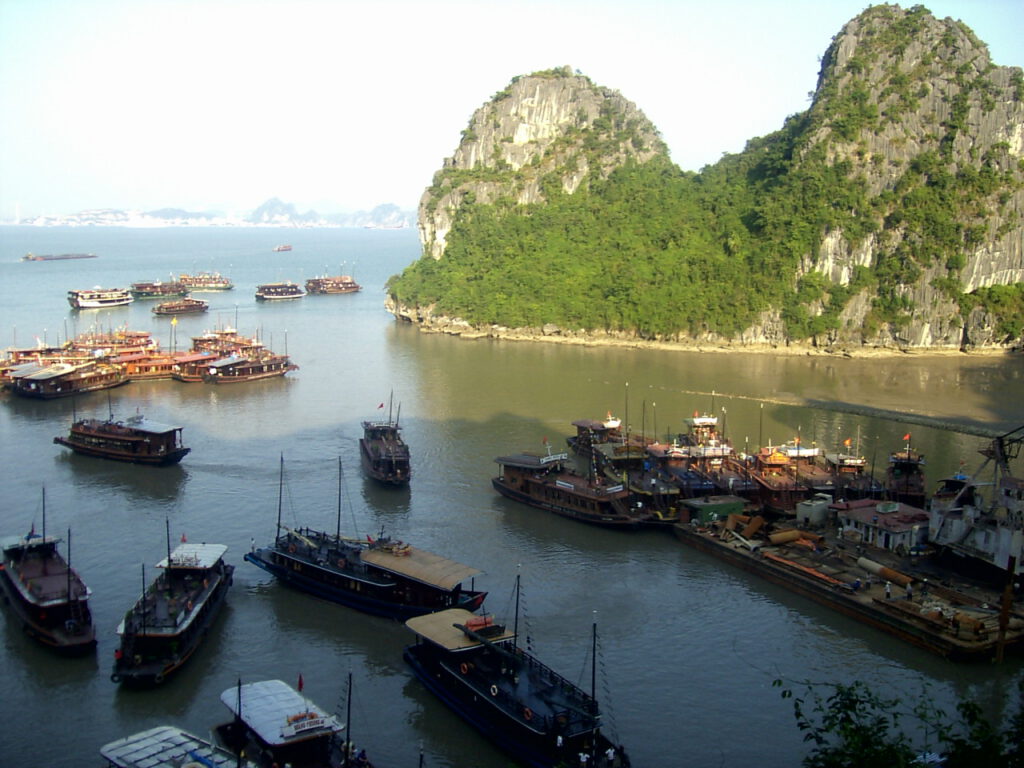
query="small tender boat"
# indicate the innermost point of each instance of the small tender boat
(138, 441)
(276, 725)
(206, 281)
(474, 665)
(279, 291)
(174, 614)
(99, 298)
(168, 747)
(332, 284)
(49, 597)
(186, 306)
(378, 576)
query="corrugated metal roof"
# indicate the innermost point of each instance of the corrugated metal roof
(421, 565)
(167, 747)
(440, 628)
(277, 713)
(195, 555)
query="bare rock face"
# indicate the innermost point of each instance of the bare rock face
(926, 88)
(548, 122)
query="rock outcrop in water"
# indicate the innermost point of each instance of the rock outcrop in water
(924, 132)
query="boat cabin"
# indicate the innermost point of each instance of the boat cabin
(889, 525)
(279, 726)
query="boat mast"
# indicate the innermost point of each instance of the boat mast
(71, 598)
(337, 529)
(44, 513)
(167, 571)
(515, 625)
(348, 721)
(280, 497)
(593, 660)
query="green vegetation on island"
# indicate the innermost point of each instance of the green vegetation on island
(667, 254)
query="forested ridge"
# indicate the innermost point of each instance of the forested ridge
(666, 254)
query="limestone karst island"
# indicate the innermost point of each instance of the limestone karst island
(886, 217)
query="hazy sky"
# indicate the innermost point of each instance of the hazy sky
(339, 105)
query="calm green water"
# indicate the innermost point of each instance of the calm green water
(689, 646)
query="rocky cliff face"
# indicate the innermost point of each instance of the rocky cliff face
(910, 104)
(539, 125)
(927, 88)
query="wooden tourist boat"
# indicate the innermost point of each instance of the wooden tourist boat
(475, 666)
(205, 281)
(48, 596)
(47, 382)
(332, 284)
(593, 432)
(99, 298)
(168, 747)
(236, 369)
(279, 291)
(780, 489)
(116, 342)
(158, 290)
(544, 481)
(276, 725)
(863, 582)
(184, 306)
(383, 453)
(378, 576)
(136, 440)
(174, 614)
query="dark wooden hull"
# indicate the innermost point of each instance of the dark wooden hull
(511, 714)
(602, 515)
(384, 467)
(52, 630)
(116, 454)
(164, 657)
(378, 594)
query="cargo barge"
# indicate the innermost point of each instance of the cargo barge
(853, 581)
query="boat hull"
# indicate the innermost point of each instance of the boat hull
(615, 521)
(893, 622)
(103, 452)
(173, 651)
(328, 584)
(68, 640)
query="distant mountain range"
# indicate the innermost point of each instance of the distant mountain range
(272, 213)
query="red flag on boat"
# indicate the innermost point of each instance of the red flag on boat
(183, 539)
(300, 682)
(906, 436)
(846, 442)
(380, 406)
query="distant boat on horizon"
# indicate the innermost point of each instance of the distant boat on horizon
(281, 248)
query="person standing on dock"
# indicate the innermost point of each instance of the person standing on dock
(888, 590)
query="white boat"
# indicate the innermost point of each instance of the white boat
(97, 298)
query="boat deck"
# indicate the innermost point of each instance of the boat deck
(46, 578)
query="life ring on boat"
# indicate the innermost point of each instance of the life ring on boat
(341, 562)
(464, 668)
(527, 713)
(494, 690)
(291, 548)
(71, 626)
(189, 605)
(115, 678)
